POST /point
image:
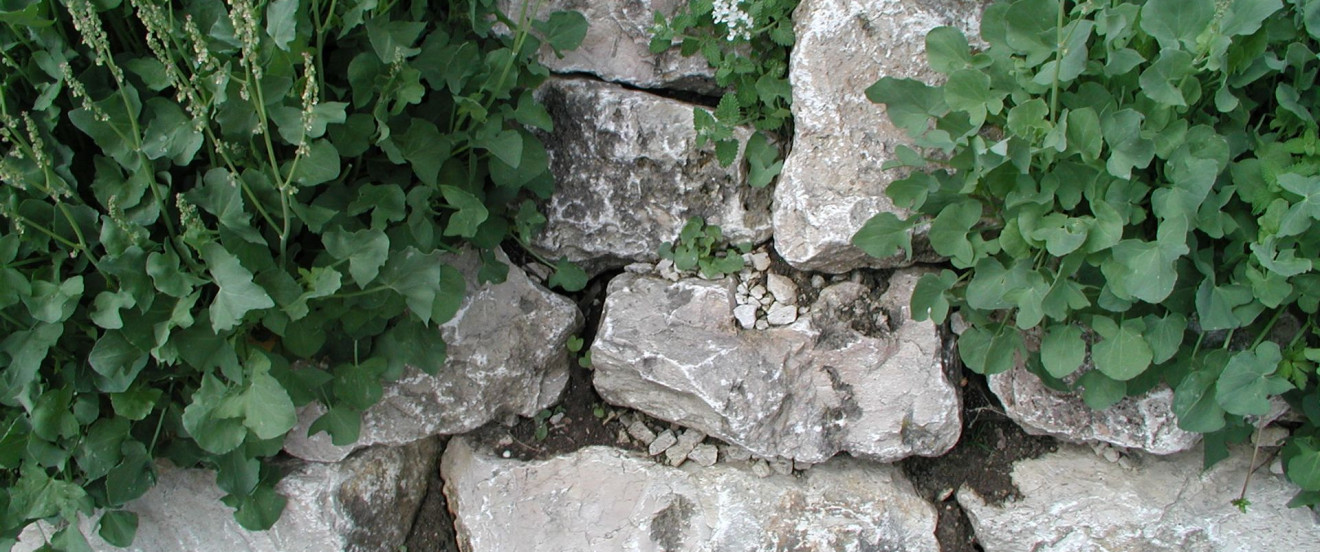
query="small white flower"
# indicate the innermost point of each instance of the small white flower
(731, 14)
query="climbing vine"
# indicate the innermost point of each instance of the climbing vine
(1131, 186)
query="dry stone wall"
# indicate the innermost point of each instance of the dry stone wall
(769, 405)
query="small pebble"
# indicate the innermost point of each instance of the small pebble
(704, 455)
(945, 494)
(761, 469)
(507, 454)
(757, 291)
(735, 453)
(1111, 455)
(781, 314)
(746, 315)
(623, 439)
(554, 420)
(1126, 463)
(1276, 467)
(784, 290)
(782, 467)
(766, 301)
(662, 442)
(801, 466)
(684, 445)
(762, 324)
(1270, 436)
(640, 432)
(505, 440)
(761, 261)
(639, 268)
(818, 281)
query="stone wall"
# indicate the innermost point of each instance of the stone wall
(765, 408)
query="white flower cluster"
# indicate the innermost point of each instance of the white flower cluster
(731, 14)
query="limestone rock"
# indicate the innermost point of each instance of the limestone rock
(505, 356)
(629, 175)
(1145, 423)
(600, 498)
(617, 45)
(365, 503)
(832, 181)
(805, 391)
(1075, 501)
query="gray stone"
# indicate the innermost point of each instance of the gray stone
(704, 455)
(761, 261)
(1075, 501)
(662, 442)
(1146, 422)
(617, 45)
(640, 432)
(688, 441)
(505, 357)
(783, 288)
(601, 498)
(629, 175)
(735, 453)
(832, 181)
(805, 391)
(781, 314)
(746, 315)
(366, 502)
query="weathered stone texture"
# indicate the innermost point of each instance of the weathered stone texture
(505, 356)
(1075, 501)
(1146, 422)
(832, 181)
(617, 45)
(365, 503)
(805, 391)
(600, 498)
(629, 175)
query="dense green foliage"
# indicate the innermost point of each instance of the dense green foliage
(700, 247)
(195, 195)
(747, 43)
(1137, 183)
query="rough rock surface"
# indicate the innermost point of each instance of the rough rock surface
(832, 181)
(1146, 422)
(629, 175)
(804, 392)
(617, 45)
(365, 503)
(601, 498)
(1075, 501)
(505, 356)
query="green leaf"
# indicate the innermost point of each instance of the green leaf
(27, 350)
(568, 276)
(320, 165)
(947, 50)
(884, 235)
(365, 250)
(506, 145)
(1215, 305)
(1161, 79)
(948, 232)
(70, 539)
(992, 283)
(1246, 384)
(928, 296)
(909, 103)
(1175, 24)
(264, 405)
(1123, 353)
(1304, 467)
(54, 303)
(471, 212)
(117, 361)
(167, 275)
(968, 90)
(50, 416)
(342, 423)
(1194, 403)
(118, 527)
(1149, 269)
(423, 280)
(910, 191)
(563, 30)
(1128, 149)
(237, 294)
(281, 22)
(990, 350)
(132, 478)
(135, 403)
(424, 147)
(171, 133)
(1165, 335)
(214, 434)
(1100, 391)
(1062, 350)
(260, 510)
(763, 162)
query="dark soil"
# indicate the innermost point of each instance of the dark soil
(982, 460)
(433, 528)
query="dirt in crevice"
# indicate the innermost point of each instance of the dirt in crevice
(982, 461)
(433, 526)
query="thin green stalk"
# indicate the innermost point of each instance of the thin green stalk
(1058, 65)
